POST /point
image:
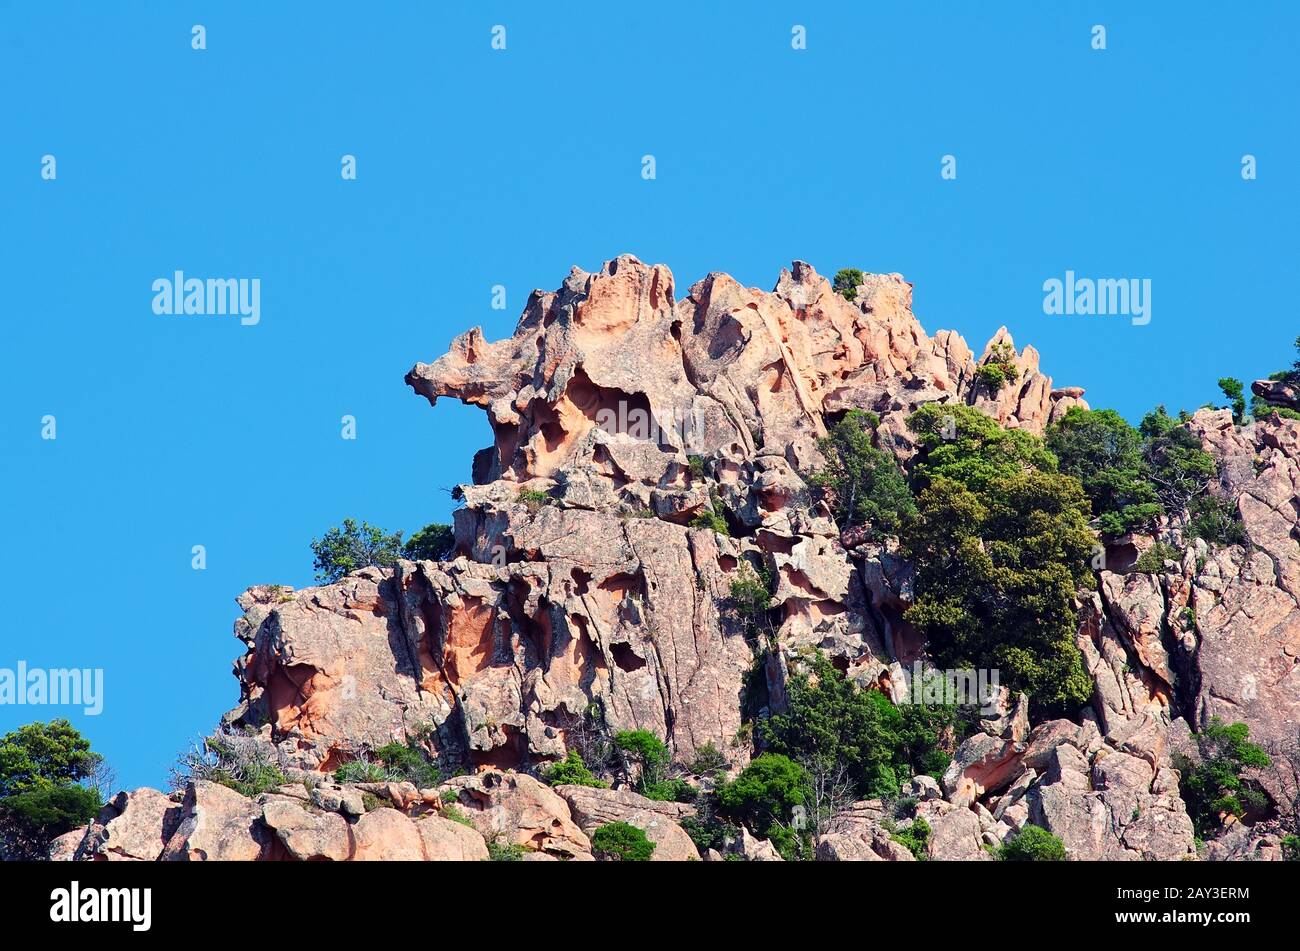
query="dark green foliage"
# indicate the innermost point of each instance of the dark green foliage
(621, 842)
(846, 282)
(1214, 788)
(829, 721)
(1032, 844)
(1179, 469)
(1262, 409)
(1215, 520)
(708, 831)
(695, 465)
(1233, 390)
(408, 762)
(534, 499)
(1001, 544)
(353, 546)
(1291, 848)
(709, 518)
(41, 755)
(1132, 477)
(643, 746)
(863, 484)
(998, 368)
(499, 851)
(361, 771)
(750, 601)
(707, 760)
(962, 444)
(434, 542)
(1152, 561)
(670, 790)
(1100, 449)
(455, 814)
(572, 771)
(42, 768)
(915, 836)
(50, 811)
(393, 762)
(643, 749)
(763, 797)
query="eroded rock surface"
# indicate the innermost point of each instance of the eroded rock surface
(622, 413)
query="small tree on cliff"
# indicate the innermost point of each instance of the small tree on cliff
(43, 768)
(1215, 787)
(846, 282)
(352, 546)
(1001, 545)
(434, 542)
(862, 484)
(1100, 449)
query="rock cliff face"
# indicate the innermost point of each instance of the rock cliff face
(620, 413)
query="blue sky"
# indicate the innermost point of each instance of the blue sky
(479, 167)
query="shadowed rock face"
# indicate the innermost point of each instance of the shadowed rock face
(632, 412)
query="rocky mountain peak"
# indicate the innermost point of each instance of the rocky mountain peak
(650, 454)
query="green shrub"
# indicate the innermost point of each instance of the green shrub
(847, 281)
(43, 767)
(708, 831)
(670, 790)
(998, 368)
(707, 759)
(499, 851)
(572, 771)
(1152, 561)
(434, 542)
(346, 549)
(763, 797)
(1100, 449)
(862, 484)
(643, 749)
(1233, 390)
(621, 842)
(1215, 520)
(456, 814)
(1291, 848)
(534, 499)
(362, 771)
(916, 837)
(1001, 544)
(1214, 788)
(239, 762)
(1179, 468)
(830, 723)
(43, 813)
(709, 518)
(749, 600)
(1032, 844)
(408, 762)
(643, 746)
(40, 755)
(696, 466)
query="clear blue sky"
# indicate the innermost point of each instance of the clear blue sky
(478, 167)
